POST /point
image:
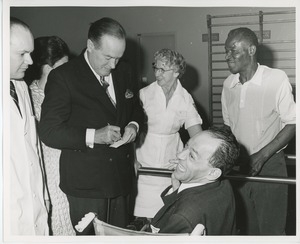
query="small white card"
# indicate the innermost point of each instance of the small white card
(120, 142)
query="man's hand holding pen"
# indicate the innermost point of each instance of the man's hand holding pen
(111, 134)
(108, 134)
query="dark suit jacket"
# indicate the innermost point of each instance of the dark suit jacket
(211, 205)
(74, 101)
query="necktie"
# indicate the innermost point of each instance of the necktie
(105, 85)
(14, 96)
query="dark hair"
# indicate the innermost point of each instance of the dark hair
(47, 50)
(105, 26)
(15, 21)
(246, 34)
(227, 153)
(171, 58)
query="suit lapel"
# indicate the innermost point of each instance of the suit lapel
(168, 202)
(94, 86)
(119, 90)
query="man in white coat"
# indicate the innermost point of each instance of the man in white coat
(28, 213)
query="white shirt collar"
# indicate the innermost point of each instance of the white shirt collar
(88, 62)
(184, 186)
(256, 79)
(178, 90)
(106, 78)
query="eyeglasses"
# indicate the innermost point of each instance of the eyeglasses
(160, 70)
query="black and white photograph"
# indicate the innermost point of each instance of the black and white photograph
(150, 121)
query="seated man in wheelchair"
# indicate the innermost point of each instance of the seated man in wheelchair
(199, 201)
(199, 194)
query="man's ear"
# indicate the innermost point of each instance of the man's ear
(214, 174)
(90, 45)
(252, 50)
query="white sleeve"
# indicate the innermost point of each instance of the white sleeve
(89, 137)
(224, 109)
(193, 117)
(286, 106)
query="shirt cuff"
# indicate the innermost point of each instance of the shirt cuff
(89, 137)
(136, 124)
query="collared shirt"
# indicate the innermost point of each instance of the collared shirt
(167, 119)
(90, 133)
(108, 79)
(184, 186)
(258, 109)
(28, 214)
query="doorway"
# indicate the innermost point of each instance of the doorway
(148, 45)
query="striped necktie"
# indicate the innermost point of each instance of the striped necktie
(14, 96)
(105, 85)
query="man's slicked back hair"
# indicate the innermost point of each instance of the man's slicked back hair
(105, 26)
(227, 153)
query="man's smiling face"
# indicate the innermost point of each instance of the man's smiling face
(193, 165)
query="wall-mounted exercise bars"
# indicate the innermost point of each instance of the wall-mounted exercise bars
(277, 38)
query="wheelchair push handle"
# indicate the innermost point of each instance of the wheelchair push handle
(85, 221)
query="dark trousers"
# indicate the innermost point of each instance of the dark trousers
(115, 208)
(262, 207)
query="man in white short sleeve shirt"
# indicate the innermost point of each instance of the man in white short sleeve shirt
(258, 106)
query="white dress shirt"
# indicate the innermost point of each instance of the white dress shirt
(258, 109)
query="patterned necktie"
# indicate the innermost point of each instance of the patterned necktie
(105, 85)
(14, 96)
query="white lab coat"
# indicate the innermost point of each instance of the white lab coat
(27, 186)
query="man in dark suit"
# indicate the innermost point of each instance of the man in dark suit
(198, 195)
(90, 103)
